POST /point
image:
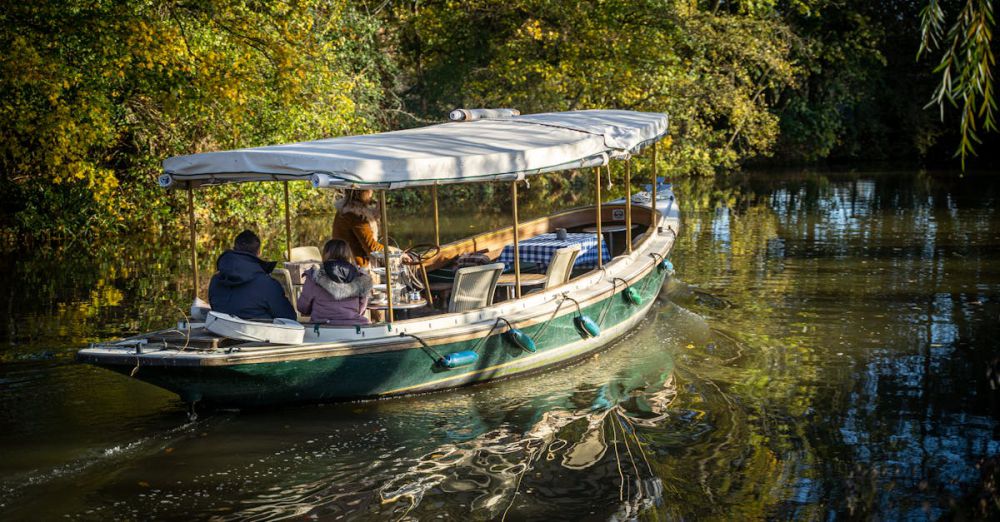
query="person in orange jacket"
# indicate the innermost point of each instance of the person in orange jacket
(356, 223)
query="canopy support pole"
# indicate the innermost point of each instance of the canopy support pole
(437, 223)
(385, 254)
(597, 197)
(437, 241)
(194, 241)
(288, 225)
(628, 206)
(517, 238)
(653, 195)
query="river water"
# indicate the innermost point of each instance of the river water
(829, 348)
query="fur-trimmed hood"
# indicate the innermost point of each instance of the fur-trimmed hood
(368, 212)
(359, 286)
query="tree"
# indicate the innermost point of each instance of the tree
(965, 67)
(715, 73)
(96, 94)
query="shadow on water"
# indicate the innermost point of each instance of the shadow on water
(830, 353)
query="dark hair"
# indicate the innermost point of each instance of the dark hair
(247, 242)
(338, 250)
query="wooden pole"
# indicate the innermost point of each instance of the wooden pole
(628, 206)
(517, 237)
(653, 195)
(437, 241)
(597, 197)
(385, 254)
(427, 285)
(194, 240)
(437, 223)
(288, 226)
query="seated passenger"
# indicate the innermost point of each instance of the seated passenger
(337, 292)
(243, 286)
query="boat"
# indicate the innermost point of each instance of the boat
(226, 361)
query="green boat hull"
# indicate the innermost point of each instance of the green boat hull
(558, 341)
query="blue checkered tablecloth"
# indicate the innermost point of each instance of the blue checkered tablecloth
(540, 249)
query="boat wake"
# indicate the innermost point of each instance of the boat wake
(14, 487)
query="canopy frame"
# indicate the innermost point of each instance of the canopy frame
(597, 206)
(193, 225)
(385, 255)
(628, 206)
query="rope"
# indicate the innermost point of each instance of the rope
(645, 285)
(638, 444)
(187, 335)
(607, 304)
(618, 460)
(577, 303)
(629, 450)
(545, 325)
(659, 259)
(426, 348)
(482, 340)
(187, 341)
(532, 454)
(136, 369)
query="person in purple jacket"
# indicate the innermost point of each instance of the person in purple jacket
(337, 292)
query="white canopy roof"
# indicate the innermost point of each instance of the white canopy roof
(457, 152)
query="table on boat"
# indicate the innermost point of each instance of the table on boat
(610, 230)
(540, 249)
(404, 306)
(508, 281)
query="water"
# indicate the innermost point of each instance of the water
(828, 350)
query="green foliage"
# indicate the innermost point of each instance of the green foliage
(966, 66)
(838, 50)
(714, 73)
(96, 94)
(860, 94)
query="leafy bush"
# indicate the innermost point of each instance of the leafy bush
(96, 94)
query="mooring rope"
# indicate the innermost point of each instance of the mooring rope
(545, 325)
(607, 304)
(424, 346)
(482, 340)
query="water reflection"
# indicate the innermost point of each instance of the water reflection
(870, 304)
(828, 352)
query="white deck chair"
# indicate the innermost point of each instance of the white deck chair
(561, 266)
(306, 253)
(558, 272)
(292, 292)
(474, 287)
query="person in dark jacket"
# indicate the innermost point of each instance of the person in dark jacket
(243, 286)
